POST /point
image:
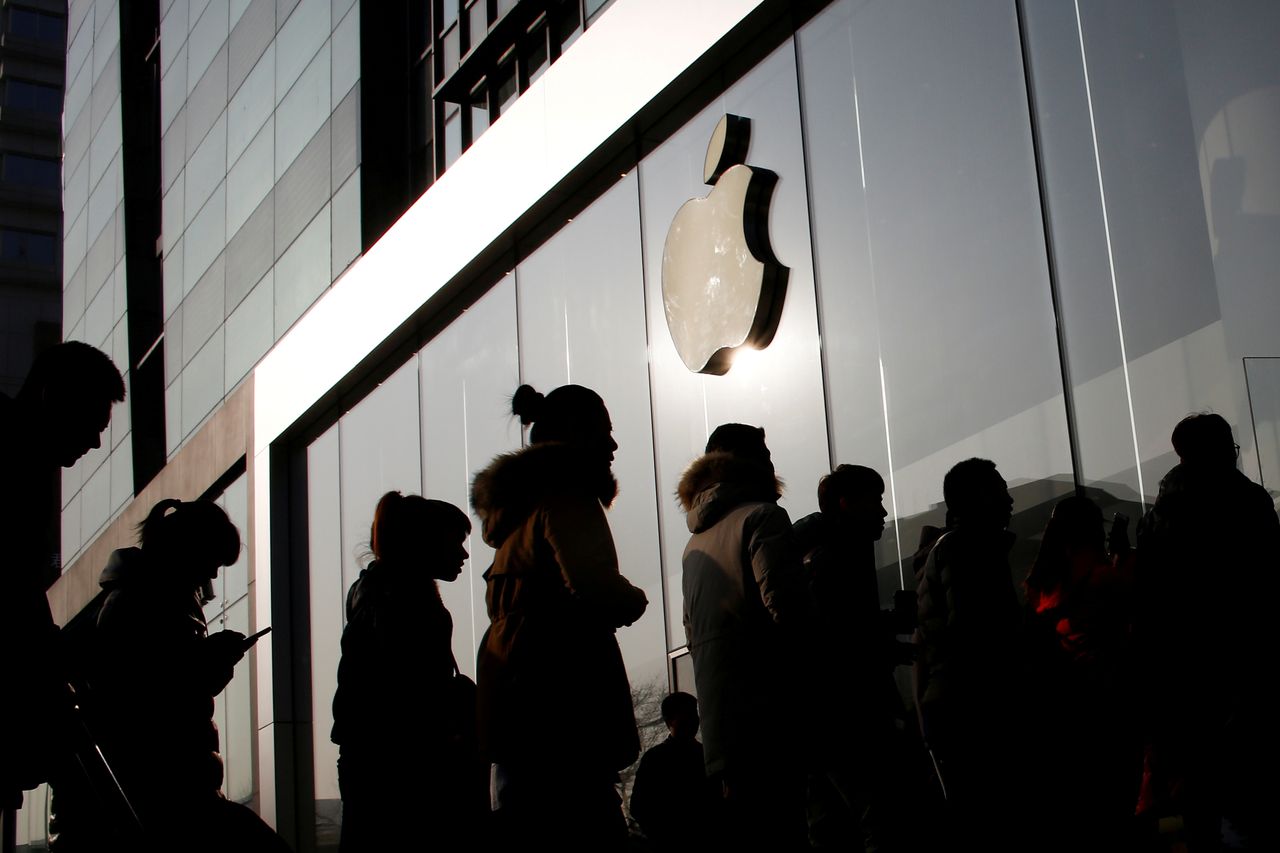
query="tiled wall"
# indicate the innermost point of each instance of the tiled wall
(261, 200)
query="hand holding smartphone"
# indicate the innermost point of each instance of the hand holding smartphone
(253, 638)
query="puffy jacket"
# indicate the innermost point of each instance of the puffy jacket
(743, 596)
(396, 665)
(969, 618)
(153, 681)
(551, 683)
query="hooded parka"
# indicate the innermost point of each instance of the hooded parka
(552, 688)
(743, 596)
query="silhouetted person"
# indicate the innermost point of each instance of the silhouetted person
(154, 676)
(969, 619)
(57, 417)
(408, 774)
(671, 800)
(1207, 554)
(744, 603)
(1081, 727)
(554, 702)
(857, 787)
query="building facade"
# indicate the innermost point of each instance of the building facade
(1036, 231)
(32, 52)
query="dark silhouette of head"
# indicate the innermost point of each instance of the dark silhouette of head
(852, 496)
(976, 495)
(570, 414)
(680, 713)
(414, 532)
(1205, 439)
(189, 540)
(1075, 529)
(68, 395)
(741, 440)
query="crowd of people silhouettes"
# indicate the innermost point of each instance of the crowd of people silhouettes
(1125, 684)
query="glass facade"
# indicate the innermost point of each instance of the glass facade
(939, 208)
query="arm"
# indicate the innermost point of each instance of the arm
(578, 533)
(775, 563)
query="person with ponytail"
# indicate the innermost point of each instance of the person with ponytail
(403, 718)
(554, 703)
(154, 675)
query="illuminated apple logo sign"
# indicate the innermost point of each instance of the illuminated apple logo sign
(722, 286)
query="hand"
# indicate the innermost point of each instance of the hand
(637, 602)
(226, 648)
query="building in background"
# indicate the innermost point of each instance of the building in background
(328, 239)
(32, 59)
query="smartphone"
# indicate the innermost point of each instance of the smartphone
(253, 638)
(1118, 541)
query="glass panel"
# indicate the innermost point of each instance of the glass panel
(35, 97)
(32, 171)
(328, 595)
(1169, 107)
(452, 136)
(505, 88)
(1263, 375)
(478, 23)
(909, 148)
(235, 500)
(568, 25)
(479, 112)
(379, 442)
(595, 7)
(450, 52)
(27, 248)
(535, 58)
(448, 14)
(581, 298)
(469, 372)
(36, 26)
(778, 388)
(237, 730)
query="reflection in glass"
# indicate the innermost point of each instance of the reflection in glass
(581, 301)
(938, 324)
(469, 372)
(779, 387)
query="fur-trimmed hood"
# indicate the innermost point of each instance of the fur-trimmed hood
(507, 492)
(715, 483)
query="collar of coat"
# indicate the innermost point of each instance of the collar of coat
(507, 492)
(717, 482)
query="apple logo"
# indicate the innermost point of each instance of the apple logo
(722, 286)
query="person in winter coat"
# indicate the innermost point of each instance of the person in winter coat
(1207, 586)
(58, 416)
(671, 800)
(407, 767)
(744, 604)
(856, 785)
(1081, 723)
(155, 673)
(967, 637)
(554, 703)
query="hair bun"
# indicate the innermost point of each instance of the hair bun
(527, 404)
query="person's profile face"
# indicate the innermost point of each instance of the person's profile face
(450, 560)
(864, 514)
(76, 427)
